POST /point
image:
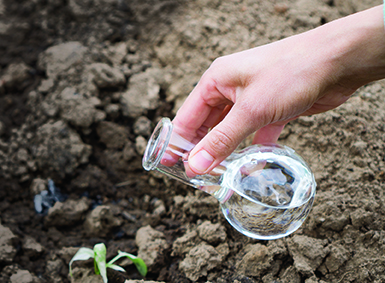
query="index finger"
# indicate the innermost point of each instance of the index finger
(201, 110)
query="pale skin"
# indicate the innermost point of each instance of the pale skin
(261, 89)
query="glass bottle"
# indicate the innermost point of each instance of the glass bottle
(265, 191)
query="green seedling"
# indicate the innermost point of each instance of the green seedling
(99, 255)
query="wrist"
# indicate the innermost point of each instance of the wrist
(357, 44)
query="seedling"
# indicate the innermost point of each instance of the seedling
(99, 255)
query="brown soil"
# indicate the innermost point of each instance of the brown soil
(82, 84)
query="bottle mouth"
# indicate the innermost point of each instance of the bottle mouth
(157, 144)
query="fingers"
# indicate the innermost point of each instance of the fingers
(269, 133)
(201, 110)
(222, 140)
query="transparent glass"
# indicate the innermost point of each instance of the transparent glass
(265, 191)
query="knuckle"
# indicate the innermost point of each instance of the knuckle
(217, 61)
(219, 64)
(209, 86)
(222, 143)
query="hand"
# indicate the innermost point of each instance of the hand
(264, 88)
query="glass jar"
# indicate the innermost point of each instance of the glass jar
(264, 191)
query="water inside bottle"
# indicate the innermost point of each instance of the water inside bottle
(267, 195)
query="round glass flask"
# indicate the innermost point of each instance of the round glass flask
(265, 191)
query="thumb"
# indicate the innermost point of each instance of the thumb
(221, 141)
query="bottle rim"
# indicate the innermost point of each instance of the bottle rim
(157, 144)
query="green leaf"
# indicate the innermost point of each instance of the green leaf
(81, 254)
(116, 267)
(100, 252)
(139, 263)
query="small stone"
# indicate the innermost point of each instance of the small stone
(178, 200)
(79, 110)
(133, 58)
(67, 213)
(59, 58)
(129, 151)
(142, 126)
(99, 115)
(22, 155)
(281, 8)
(22, 276)
(140, 144)
(21, 170)
(142, 94)
(7, 249)
(117, 52)
(49, 108)
(112, 110)
(105, 76)
(46, 85)
(31, 247)
(15, 75)
(159, 208)
(100, 221)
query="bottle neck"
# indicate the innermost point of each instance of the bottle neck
(167, 152)
(157, 144)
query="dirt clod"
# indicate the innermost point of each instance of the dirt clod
(100, 221)
(7, 241)
(151, 244)
(201, 259)
(67, 213)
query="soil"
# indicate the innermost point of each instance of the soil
(82, 84)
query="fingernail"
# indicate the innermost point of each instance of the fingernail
(201, 161)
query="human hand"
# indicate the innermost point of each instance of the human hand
(263, 88)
